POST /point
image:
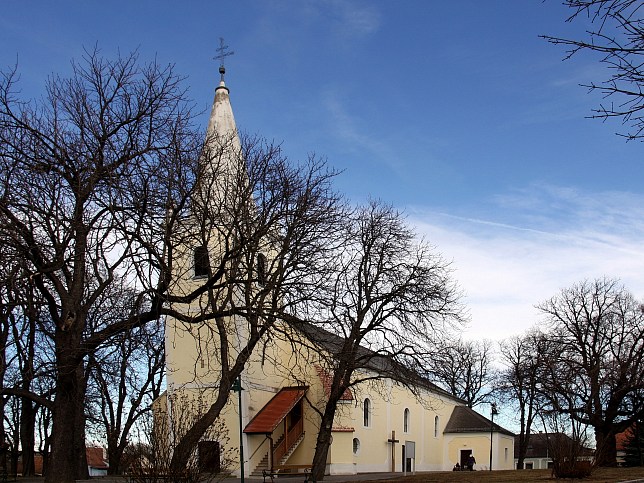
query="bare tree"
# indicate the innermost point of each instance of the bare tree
(25, 366)
(595, 371)
(567, 445)
(519, 382)
(465, 369)
(105, 179)
(7, 314)
(618, 37)
(127, 378)
(150, 459)
(87, 175)
(388, 299)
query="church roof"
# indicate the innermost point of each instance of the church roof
(466, 420)
(541, 445)
(271, 415)
(370, 360)
(327, 379)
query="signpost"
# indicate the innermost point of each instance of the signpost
(494, 413)
(237, 387)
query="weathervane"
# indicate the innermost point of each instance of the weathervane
(221, 56)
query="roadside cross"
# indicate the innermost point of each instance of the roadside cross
(393, 442)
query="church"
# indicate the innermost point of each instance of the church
(271, 422)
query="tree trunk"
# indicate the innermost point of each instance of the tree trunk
(27, 438)
(114, 456)
(606, 452)
(68, 460)
(524, 440)
(186, 446)
(323, 442)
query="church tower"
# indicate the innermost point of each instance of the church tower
(205, 259)
(225, 250)
(204, 244)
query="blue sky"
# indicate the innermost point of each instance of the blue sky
(454, 111)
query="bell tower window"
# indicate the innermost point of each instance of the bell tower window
(261, 269)
(201, 263)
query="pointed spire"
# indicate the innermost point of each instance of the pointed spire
(222, 164)
(222, 121)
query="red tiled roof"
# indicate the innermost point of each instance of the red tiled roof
(326, 379)
(622, 439)
(95, 458)
(267, 419)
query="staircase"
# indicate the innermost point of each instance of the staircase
(291, 450)
(263, 464)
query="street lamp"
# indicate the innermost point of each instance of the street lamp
(494, 412)
(237, 387)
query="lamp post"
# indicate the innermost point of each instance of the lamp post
(494, 412)
(237, 387)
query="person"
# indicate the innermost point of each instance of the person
(471, 461)
(457, 467)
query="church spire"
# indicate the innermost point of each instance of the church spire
(222, 165)
(222, 122)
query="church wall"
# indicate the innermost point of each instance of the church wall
(433, 457)
(342, 460)
(375, 452)
(503, 457)
(478, 443)
(388, 415)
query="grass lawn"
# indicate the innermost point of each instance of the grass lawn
(599, 475)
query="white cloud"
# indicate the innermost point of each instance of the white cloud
(355, 19)
(538, 241)
(352, 134)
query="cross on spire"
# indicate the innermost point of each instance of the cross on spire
(222, 54)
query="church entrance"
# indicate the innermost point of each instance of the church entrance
(465, 454)
(209, 456)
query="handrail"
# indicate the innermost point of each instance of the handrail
(289, 440)
(258, 448)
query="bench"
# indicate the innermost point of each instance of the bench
(157, 477)
(284, 470)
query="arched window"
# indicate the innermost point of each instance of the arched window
(261, 269)
(356, 445)
(201, 263)
(367, 412)
(406, 420)
(436, 421)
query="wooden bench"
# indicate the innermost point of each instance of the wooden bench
(284, 470)
(156, 477)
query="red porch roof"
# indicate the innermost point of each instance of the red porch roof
(269, 417)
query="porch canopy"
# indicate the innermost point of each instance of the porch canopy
(271, 415)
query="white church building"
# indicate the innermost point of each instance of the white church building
(377, 429)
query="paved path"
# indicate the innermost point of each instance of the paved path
(287, 479)
(284, 479)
